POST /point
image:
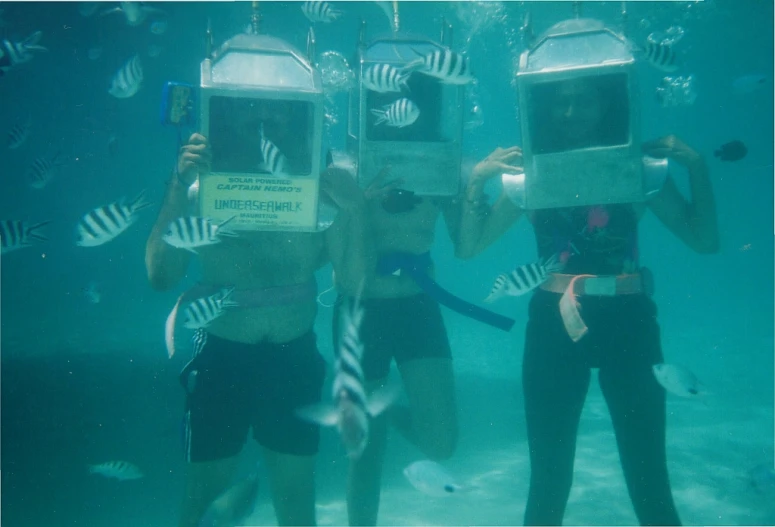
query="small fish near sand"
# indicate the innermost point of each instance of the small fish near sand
(678, 380)
(120, 470)
(432, 479)
(731, 151)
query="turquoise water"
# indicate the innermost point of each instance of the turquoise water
(84, 383)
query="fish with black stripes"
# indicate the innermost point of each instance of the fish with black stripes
(120, 470)
(192, 232)
(202, 311)
(14, 53)
(399, 114)
(320, 11)
(42, 170)
(351, 409)
(103, 224)
(17, 234)
(19, 133)
(384, 78)
(274, 161)
(661, 56)
(126, 82)
(524, 278)
(446, 65)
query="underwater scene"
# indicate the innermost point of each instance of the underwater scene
(386, 263)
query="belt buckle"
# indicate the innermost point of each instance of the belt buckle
(600, 286)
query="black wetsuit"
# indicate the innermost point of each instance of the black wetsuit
(623, 343)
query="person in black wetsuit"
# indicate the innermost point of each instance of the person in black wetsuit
(622, 339)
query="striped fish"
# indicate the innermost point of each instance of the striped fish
(661, 56)
(14, 53)
(42, 170)
(202, 311)
(127, 80)
(319, 11)
(524, 279)
(103, 224)
(19, 133)
(351, 408)
(190, 232)
(274, 161)
(16, 234)
(121, 470)
(444, 64)
(384, 78)
(401, 113)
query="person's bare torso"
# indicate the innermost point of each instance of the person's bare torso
(258, 261)
(410, 232)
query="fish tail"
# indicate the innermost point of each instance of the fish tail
(226, 231)
(381, 116)
(139, 202)
(36, 235)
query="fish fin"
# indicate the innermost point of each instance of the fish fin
(553, 264)
(380, 399)
(139, 202)
(226, 232)
(381, 116)
(324, 414)
(36, 235)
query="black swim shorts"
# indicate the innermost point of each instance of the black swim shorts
(404, 328)
(232, 386)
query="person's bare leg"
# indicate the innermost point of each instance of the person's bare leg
(204, 482)
(430, 422)
(292, 483)
(364, 480)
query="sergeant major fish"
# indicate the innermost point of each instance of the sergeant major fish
(19, 133)
(42, 170)
(273, 159)
(103, 224)
(399, 114)
(17, 234)
(202, 311)
(524, 278)
(351, 408)
(661, 56)
(444, 64)
(120, 470)
(191, 232)
(127, 80)
(384, 78)
(319, 11)
(14, 53)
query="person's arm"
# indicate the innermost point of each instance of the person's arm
(693, 222)
(166, 265)
(347, 239)
(481, 225)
